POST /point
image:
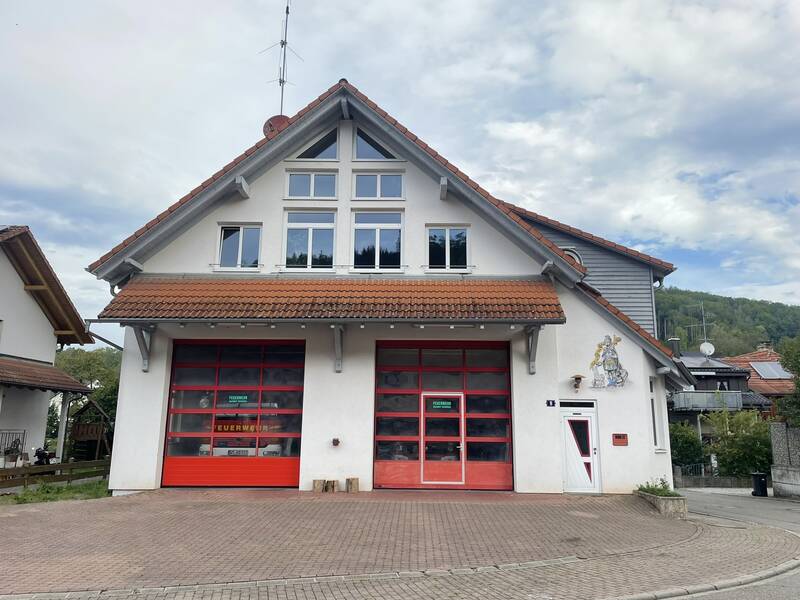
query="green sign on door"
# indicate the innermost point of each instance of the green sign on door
(442, 404)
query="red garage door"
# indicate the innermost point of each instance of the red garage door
(443, 415)
(235, 414)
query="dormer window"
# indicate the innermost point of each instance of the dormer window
(239, 246)
(323, 149)
(368, 149)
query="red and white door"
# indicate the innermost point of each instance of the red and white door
(443, 415)
(578, 424)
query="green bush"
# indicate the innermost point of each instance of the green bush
(47, 492)
(658, 487)
(741, 442)
(687, 449)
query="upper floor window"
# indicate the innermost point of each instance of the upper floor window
(447, 247)
(309, 240)
(312, 185)
(369, 149)
(379, 185)
(239, 246)
(377, 239)
(323, 149)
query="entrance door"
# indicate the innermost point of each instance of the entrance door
(580, 450)
(442, 438)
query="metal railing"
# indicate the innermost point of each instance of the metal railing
(11, 439)
(707, 400)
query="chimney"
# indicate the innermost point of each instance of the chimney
(765, 345)
(675, 345)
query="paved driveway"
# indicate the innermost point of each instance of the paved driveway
(372, 545)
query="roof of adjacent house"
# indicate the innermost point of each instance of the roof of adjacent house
(697, 361)
(661, 265)
(767, 387)
(18, 372)
(285, 125)
(267, 298)
(41, 281)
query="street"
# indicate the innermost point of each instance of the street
(774, 512)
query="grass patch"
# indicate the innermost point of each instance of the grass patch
(658, 488)
(47, 492)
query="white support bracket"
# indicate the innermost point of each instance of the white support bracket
(532, 335)
(338, 346)
(242, 187)
(143, 338)
(443, 188)
(134, 264)
(345, 109)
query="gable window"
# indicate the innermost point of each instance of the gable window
(379, 185)
(312, 185)
(323, 149)
(447, 247)
(239, 246)
(309, 240)
(377, 240)
(369, 149)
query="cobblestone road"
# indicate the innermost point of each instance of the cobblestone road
(379, 545)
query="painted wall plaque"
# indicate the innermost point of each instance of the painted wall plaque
(607, 371)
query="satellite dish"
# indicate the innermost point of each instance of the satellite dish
(707, 348)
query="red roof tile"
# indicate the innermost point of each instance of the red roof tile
(343, 83)
(596, 239)
(24, 373)
(335, 298)
(594, 295)
(767, 387)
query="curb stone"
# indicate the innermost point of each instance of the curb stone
(724, 584)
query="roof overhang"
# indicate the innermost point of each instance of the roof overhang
(41, 282)
(35, 375)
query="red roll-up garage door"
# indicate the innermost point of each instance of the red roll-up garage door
(235, 414)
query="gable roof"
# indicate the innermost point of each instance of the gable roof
(281, 127)
(767, 387)
(41, 282)
(661, 265)
(19, 372)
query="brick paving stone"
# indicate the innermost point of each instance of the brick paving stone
(169, 537)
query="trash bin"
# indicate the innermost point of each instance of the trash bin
(759, 484)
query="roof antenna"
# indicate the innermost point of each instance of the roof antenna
(284, 44)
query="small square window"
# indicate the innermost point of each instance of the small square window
(391, 186)
(366, 186)
(300, 185)
(324, 185)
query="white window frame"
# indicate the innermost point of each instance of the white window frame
(313, 174)
(314, 141)
(377, 139)
(379, 175)
(377, 227)
(657, 418)
(310, 226)
(447, 268)
(217, 266)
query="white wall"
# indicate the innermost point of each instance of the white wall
(25, 330)
(25, 409)
(196, 250)
(619, 410)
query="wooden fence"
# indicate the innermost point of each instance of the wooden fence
(70, 471)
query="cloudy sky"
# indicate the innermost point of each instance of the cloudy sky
(672, 127)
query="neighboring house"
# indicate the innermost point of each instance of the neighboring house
(718, 385)
(35, 316)
(767, 375)
(341, 301)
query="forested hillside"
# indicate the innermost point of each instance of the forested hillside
(735, 325)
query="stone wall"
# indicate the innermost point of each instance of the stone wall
(785, 459)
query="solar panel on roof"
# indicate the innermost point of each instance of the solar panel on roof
(771, 370)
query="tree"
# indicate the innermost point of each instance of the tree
(52, 422)
(741, 442)
(687, 449)
(97, 369)
(788, 407)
